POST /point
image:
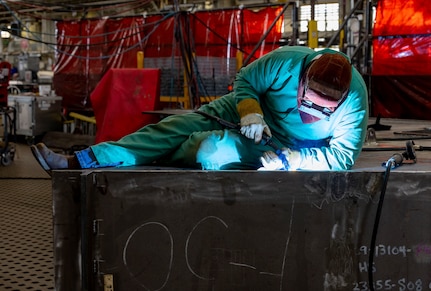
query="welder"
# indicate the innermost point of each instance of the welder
(311, 104)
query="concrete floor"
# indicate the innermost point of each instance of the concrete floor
(26, 255)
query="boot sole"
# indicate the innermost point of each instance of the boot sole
(39, 158)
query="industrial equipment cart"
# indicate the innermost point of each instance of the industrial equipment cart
(36, 115)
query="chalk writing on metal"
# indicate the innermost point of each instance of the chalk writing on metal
(171, 253)
(421, 254)
(187, 246)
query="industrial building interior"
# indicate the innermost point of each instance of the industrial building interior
(62, 62)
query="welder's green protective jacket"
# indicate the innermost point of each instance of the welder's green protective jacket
(272, 80)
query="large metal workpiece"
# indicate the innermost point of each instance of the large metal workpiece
(172, 229)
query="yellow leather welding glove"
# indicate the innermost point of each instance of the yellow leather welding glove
(252, 123)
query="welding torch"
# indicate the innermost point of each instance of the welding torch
(266, 139)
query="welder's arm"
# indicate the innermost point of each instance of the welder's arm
(341, 151)
(252, 123)
(251, 85)
(344, 145)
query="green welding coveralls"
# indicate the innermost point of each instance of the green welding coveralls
(195, 141)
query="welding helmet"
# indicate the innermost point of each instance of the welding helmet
(325, 85)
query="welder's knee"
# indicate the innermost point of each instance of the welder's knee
(218, 150)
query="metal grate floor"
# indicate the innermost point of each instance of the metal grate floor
(26, 240)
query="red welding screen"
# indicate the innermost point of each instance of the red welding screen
(401, 74)
(120, 98)
(402, 38)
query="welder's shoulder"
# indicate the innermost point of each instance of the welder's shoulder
(294, 49)
(287, 57)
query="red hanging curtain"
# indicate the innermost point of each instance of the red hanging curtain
(401, 74)
(87, 49)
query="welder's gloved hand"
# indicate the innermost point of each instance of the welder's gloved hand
(252, 123)
(253, 126)
(272, 162)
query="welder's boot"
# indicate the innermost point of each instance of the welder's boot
(50, 160)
